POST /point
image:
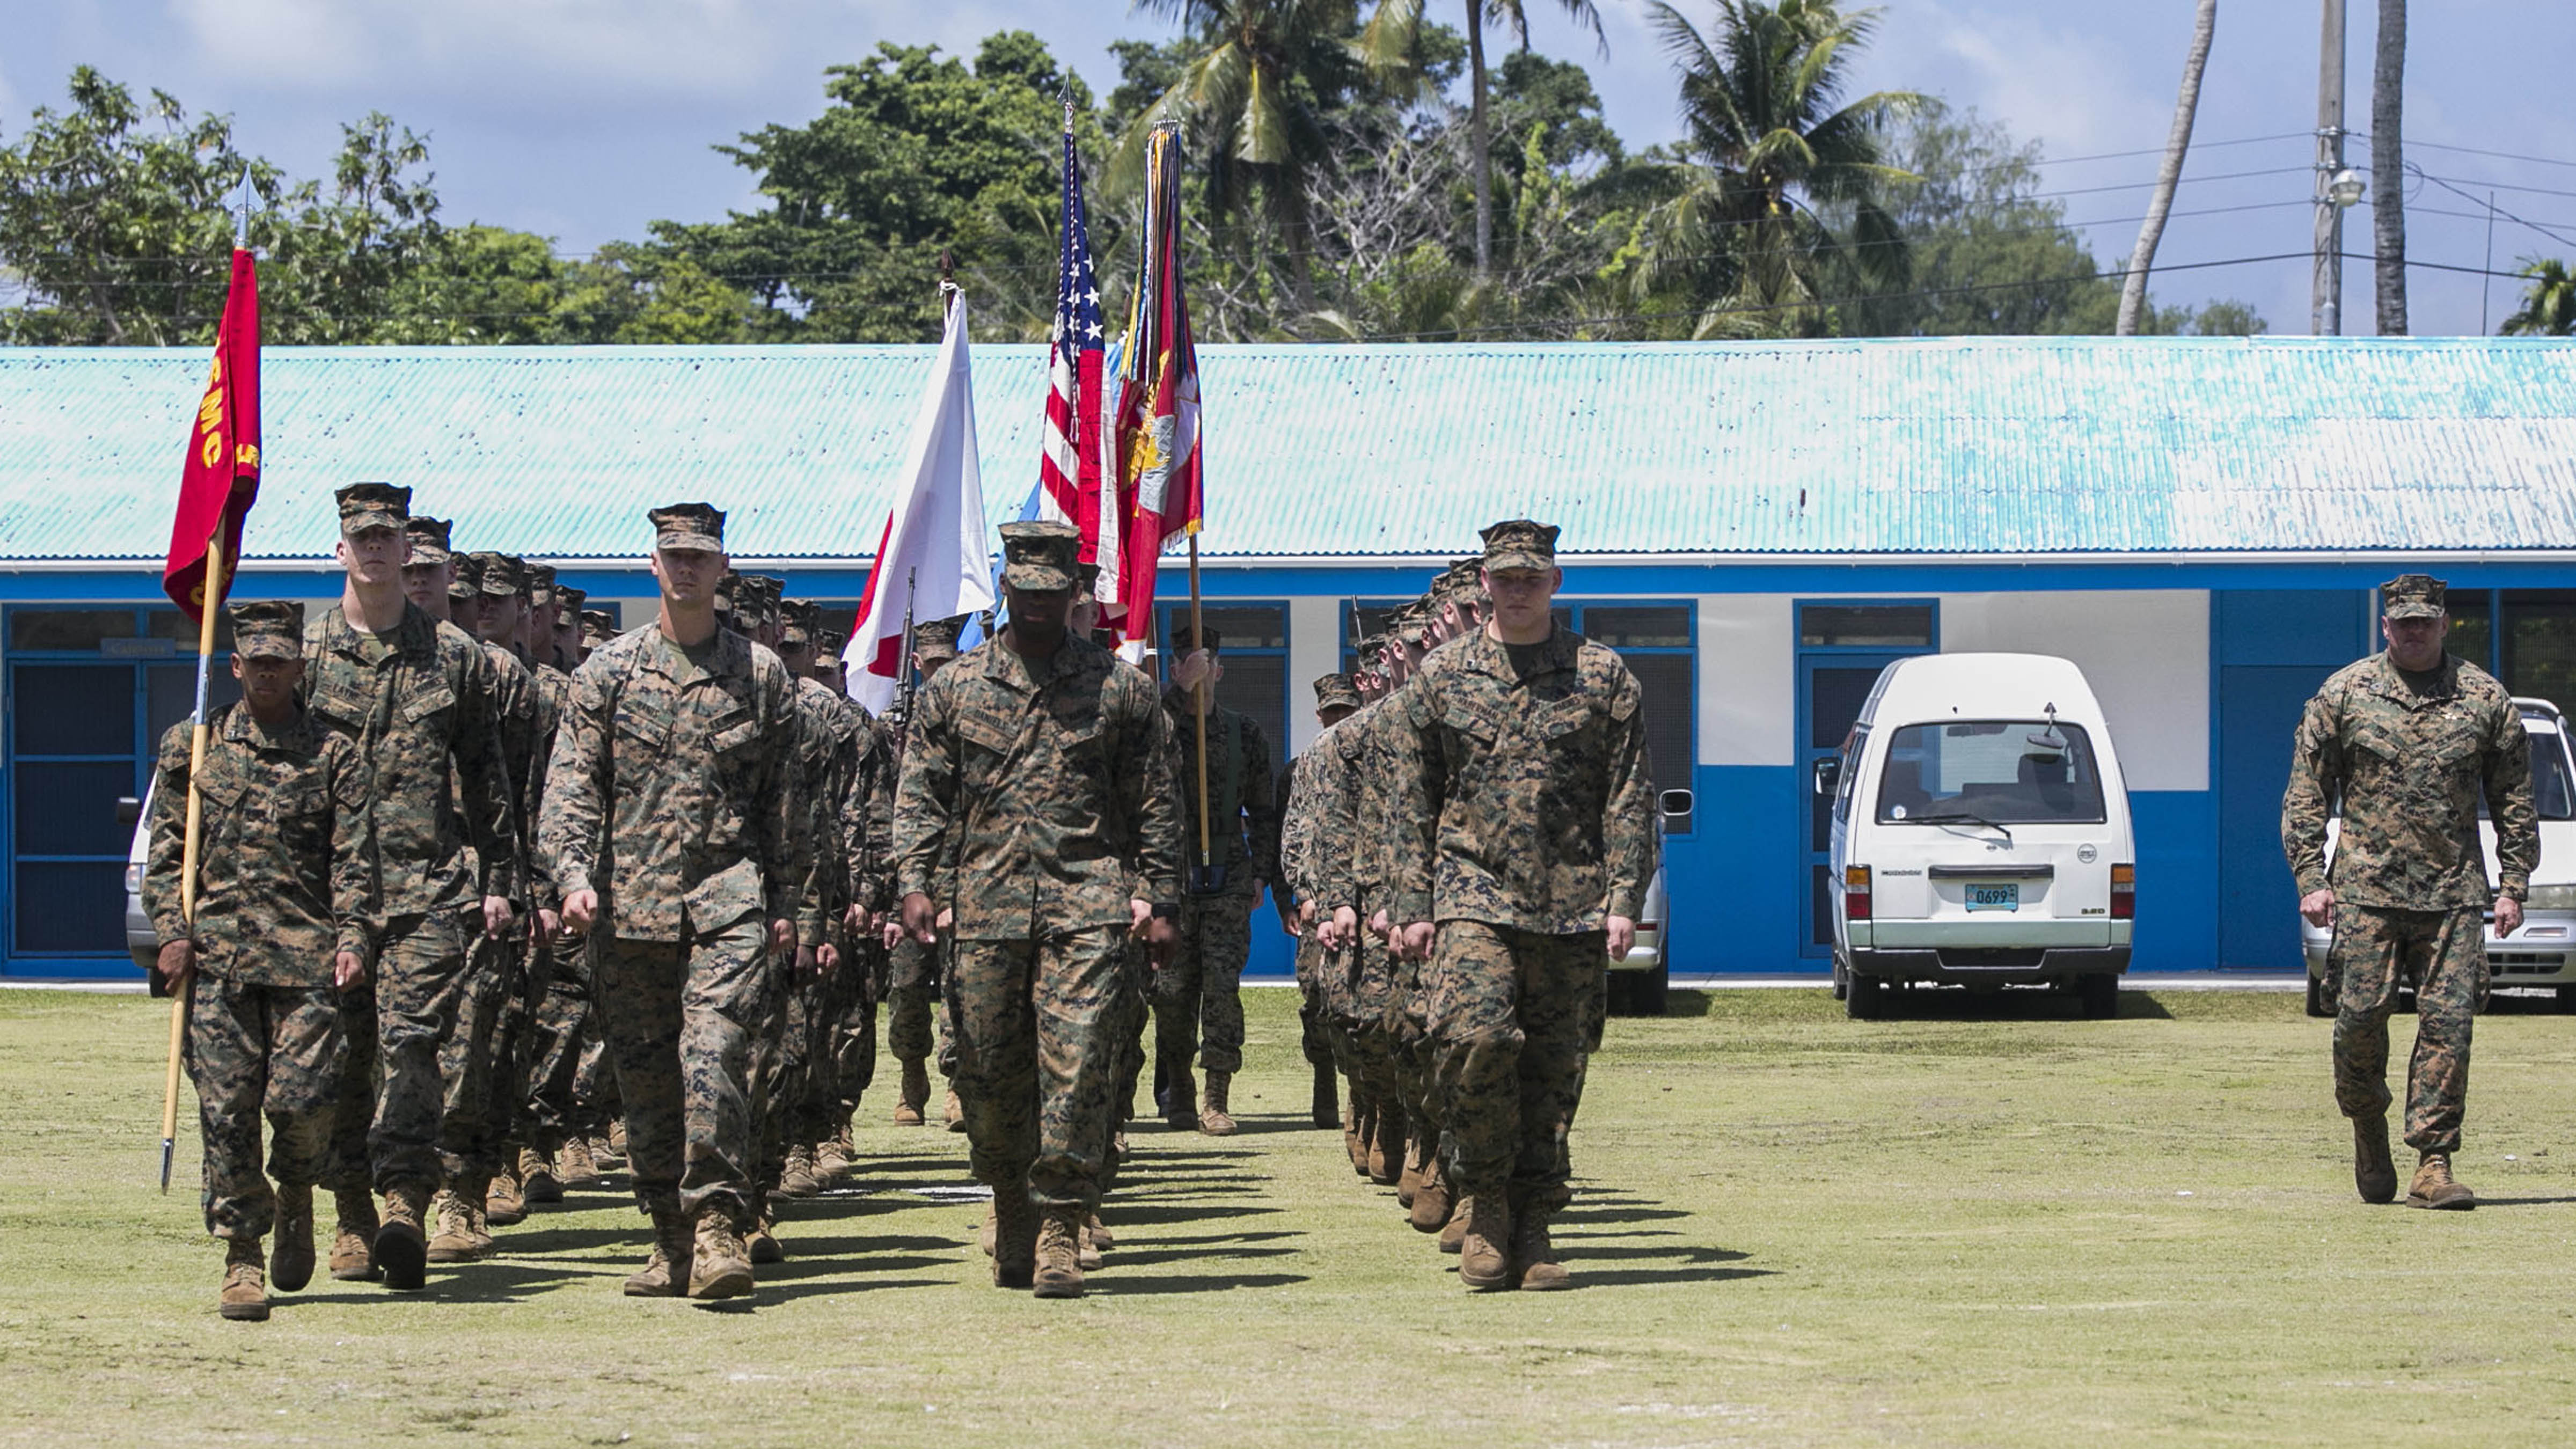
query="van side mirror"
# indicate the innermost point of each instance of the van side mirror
(1829, 773)
(128, 810)
(1675, 806)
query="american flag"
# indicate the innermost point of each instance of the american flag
(1069, 468)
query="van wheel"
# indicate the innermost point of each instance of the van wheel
(2100, 995)
(1650, 991)
(1842, 981)
(1864, 998)
(2317, 1005)
(2567, 1000)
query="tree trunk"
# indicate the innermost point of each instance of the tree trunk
(1479, 145)
(2133, 288)
(2388, 166)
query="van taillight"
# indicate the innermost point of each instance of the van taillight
(2124, 893)
(1855, 893)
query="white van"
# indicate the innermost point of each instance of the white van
(1980, 833)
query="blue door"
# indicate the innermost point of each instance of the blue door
(2274, 647)
(1831, 690)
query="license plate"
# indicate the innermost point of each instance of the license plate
(2005, 897)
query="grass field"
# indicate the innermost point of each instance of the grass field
(1979, 1225)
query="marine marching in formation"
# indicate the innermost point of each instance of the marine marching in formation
(489, 892)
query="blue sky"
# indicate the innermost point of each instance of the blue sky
(585, 119)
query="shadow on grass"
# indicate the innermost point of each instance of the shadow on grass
(1127, 1257)
(485, 1282)
(1122, 1210)
(2009, 1003)
(768, 1295)
(2488, 1202)
(1115, 1287)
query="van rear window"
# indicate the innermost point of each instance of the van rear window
(1998, 772)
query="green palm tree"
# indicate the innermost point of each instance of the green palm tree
(1389, 46)
(1247, 102)
(1775, 190)
(2548, 304)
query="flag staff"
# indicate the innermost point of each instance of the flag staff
(1207, 879)
(214, 593)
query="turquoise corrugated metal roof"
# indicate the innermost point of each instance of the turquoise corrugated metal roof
(1937, 446)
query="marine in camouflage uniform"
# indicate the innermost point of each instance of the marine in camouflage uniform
(1303, 860)
(674, 824)
(554, 1151)
(2408, 753)
(912, 969)
(1521, 849)
(1198, 994)
(1047, 774)
(284, 876)
(811, 1126)
(483, 1074)
(420, 700)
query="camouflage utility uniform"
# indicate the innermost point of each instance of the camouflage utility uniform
(1521, 820)
(284, 878)
(421, 703)
(2409, 758)
(1198, 998)
(673, 793)
(1049, 784)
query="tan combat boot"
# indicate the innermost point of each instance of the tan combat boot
(1431, 1199)
(1454, 1233)
(1100, 1233)
(477, 1226)
(353, 1236)
(1387, 1153)
(1408, 1180)
(1359, 1128)
(798, 1179)
(720, 1267)
(504, 1202)
(2433, 1186)
(2374, 1173)
(245, 1295)
(665, 1274)
(1483, 1265)
(763, 1244)
(985, 1235)
(913, 1095)
(454, 1240)
(401, 1246)
(954, 1112)
(575, 1166)
(290, 1263)
(616, 1152)
(1214, 1118)
(537, 1180)
(1534, 1263)
(1015, 1237)
(1059, 1254)
(839, 1154)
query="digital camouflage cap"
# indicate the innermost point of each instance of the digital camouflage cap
(499, 575)
(569, 600)
(2413, 596)
(1336, 691)
(597, 627)
(688, 525)
(271, 629)
(1039, 555)
(467, 581)
(798, 622)
(429, 539)
(936, 638)
(1517, 543)
(372, 505)
(541, 584)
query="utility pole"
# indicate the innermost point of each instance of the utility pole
(2325, 291)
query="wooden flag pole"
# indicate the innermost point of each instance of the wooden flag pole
(1199, 697)
(213, 596)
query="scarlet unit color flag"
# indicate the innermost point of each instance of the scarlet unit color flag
(1158, 402)
(221, 476)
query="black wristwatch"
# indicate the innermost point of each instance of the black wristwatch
(1163, 911)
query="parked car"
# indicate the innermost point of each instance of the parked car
(1980, 833)
(141, 942)
(2543, 952)
(1640, 983)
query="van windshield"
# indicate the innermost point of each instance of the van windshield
(1996, 772)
